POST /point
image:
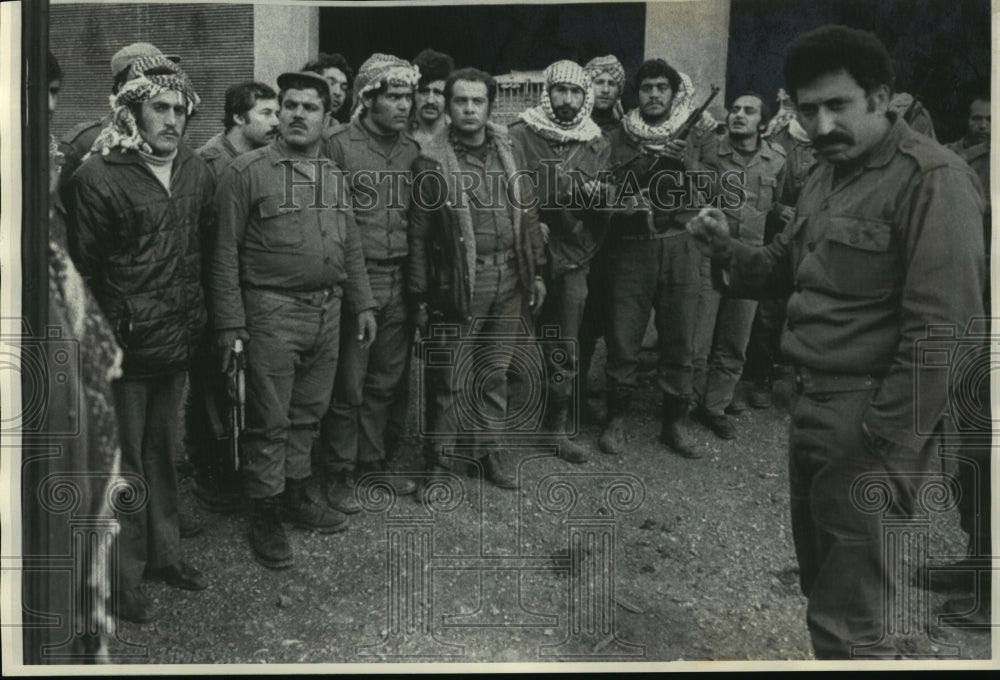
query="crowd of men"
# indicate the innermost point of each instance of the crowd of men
(291, 234)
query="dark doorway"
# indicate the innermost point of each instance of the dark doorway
(495, 38)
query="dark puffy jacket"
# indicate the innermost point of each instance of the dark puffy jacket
(140, 251)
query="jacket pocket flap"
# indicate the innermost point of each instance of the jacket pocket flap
(859, 232)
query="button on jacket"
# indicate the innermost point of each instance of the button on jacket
(870, 264)
(763, 176)
(380, 201)
(284, 243)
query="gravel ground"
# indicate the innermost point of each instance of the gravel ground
(702, 569)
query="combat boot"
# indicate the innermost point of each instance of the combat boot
(495, 472)
(267, 536)
(760, 394)
(612, 440)
(340, 493)
(556, 428)
(302, 511)
(674, 430)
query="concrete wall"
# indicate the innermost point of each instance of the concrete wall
(693, 37)
(285, 38)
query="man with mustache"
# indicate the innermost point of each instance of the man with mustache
(430, 124)
(723, 324)
(335, 70)
(475, 254)
(139, 210)
(564, 148)
(287, 258)
(251, 122)
(652, 262)
(376, 153)
(887, 243)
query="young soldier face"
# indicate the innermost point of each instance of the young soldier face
(429, 101)
(743, 120)
(469, 107)
(655, 97)
(162, 120)
(979, 121)
(567, 100)
(259, 125)
(606, 91)
(302, 118)
(842, 121)
(338, 86)
(390, 111)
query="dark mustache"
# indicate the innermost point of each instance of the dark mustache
(832, 138)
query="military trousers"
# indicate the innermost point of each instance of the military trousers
(469, 390)
(354, 427)
(291, 363)
(720, 344)
(661, 274)
(833, 475)
(565, 301)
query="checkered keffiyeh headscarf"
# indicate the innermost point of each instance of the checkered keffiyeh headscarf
(607, 64)
(382, 68)
(148, 77)
(542, 119)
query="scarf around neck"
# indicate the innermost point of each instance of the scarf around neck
(681, 107)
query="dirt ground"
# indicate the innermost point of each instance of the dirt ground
(680, 560)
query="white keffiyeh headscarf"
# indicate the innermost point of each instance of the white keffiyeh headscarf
(542, 119)
(148, 77)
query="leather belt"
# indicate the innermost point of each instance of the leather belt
(310, 297)
(808, 381)
(390, 262)
(497, 258)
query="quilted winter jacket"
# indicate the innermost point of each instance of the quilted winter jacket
(139, 248)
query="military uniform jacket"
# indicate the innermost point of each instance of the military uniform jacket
(442, 265)
(760, 183)
(575, 235)
(218, 153)
(381, 202)
(271, 241)
(870, 265)
(978, 158)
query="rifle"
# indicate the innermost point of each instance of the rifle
(679, 134)
(911, 110)
(236, 373)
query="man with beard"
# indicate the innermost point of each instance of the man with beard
(139, 209)
(563, 149)
(724, 322)
(251, 122)
(376, 154)
(474, 254)
(430, 124)
(886, 243)
(608, 77)
(652, 261)
(974, 147)
(279, 271)
(335, 70)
